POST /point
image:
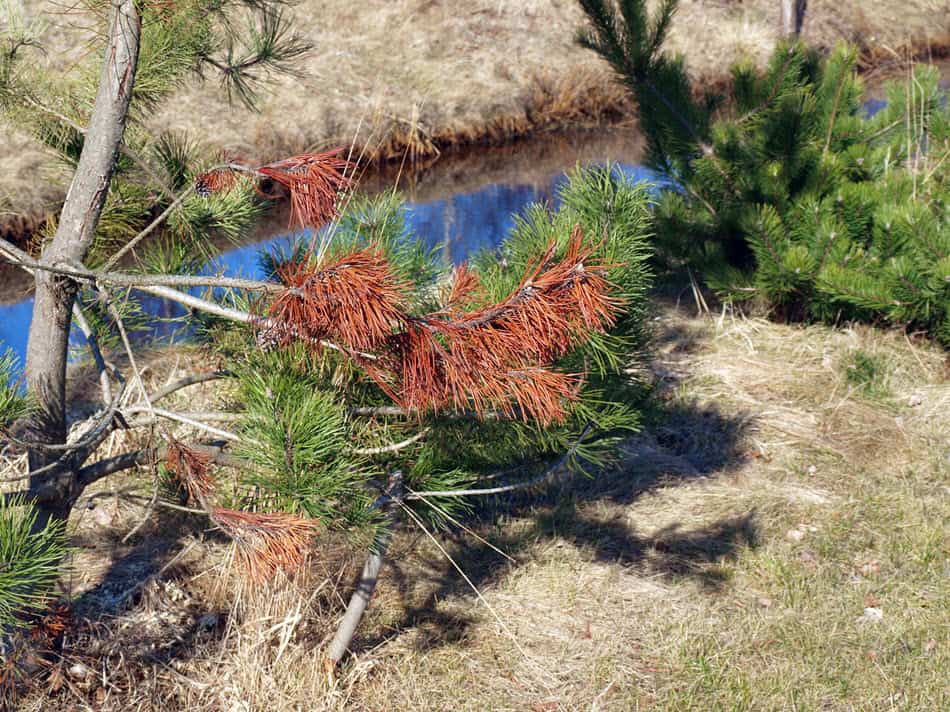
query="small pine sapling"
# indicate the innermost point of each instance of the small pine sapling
(789, 192)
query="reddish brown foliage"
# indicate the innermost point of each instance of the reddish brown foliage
(465, 287)
(494, 358)
(354, 300)
(190, 467)
(315, 181)
(50, 628)
(497, 357)
(266, 543)
(216, 181)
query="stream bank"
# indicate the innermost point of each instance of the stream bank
(415, 80)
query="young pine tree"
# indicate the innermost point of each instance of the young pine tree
(789, 192)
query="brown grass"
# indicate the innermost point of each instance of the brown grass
(414, 78)
(783, 488)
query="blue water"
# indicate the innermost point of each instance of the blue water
(459, 225)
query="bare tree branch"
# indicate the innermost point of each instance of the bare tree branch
(150, 228)
(394, 447)
(186, 381)
(103, 367)
(78, 272)
(147, 456)
(179, 416)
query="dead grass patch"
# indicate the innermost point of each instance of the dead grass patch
(777, 538)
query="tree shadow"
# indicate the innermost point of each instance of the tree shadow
(685, 442)
(155, 550)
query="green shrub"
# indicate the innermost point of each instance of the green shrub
(792, 194)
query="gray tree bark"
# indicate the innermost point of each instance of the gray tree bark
(55, 294)
(365, 588)
(793, 17)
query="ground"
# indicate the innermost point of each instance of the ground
(778, 537)
(414, 78)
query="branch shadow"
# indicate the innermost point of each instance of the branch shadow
(684, 442)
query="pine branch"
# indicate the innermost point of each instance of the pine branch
(148, 456)
(80, 273)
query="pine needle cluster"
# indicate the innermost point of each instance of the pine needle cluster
(29, 561)
(789, 192)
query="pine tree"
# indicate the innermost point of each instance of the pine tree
(788, 192)
(372, 381)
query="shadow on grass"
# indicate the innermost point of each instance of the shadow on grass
(684, 443)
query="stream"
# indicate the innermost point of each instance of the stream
(462, 203)
(459, 205)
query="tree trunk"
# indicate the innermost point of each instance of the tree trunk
(391, 498)
(793, 17)
(361, 596)
(54, 295)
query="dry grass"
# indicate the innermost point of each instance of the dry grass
(415, 77)
(778, 538)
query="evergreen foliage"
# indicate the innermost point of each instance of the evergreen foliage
(13, 404)
(795, 196)
(29, 561)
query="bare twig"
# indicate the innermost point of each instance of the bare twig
(150, 228)
(93, 343)
(478, 594)
(147, 514)
(187, 419)
(394, 447)
(443, 512)
(146, 581)
(215, 416)
(122, 279)
(527, 484)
